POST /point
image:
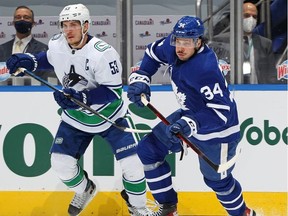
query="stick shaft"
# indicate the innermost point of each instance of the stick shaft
(85, 106)
(218, 168)
(40, 79)
(183, 138)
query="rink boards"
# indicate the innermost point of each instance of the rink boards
(29, 119)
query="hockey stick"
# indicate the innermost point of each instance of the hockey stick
(218, 168)
(81, 104)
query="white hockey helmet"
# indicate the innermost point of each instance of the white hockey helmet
(75, 12)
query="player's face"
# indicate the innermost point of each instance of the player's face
(72, 31)
(185, 48)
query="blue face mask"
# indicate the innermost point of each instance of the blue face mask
(23, 26)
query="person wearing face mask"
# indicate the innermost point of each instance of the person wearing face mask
(259, 66)
(259, 61)
(23, 42)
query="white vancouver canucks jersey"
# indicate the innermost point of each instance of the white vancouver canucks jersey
(97, 63)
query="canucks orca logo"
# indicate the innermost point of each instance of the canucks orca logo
(72, 78)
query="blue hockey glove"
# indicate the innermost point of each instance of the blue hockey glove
(62, 98)
(21, 60)
(139, 84)
(185, 127)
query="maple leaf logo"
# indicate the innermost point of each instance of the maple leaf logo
(181, 97)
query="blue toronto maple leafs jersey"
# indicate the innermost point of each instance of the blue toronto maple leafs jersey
(200, 89)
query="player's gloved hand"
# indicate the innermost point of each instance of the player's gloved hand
(63, 98)
(139, 84)
(21, 60)
(185, 127)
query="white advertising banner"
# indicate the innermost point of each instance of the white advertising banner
(103, 27)
(146, 29)
(29, 120)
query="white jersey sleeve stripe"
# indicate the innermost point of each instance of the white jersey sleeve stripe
(148, 53)
(221, 134)
(153, 56)
(218, 106)
(221, 115)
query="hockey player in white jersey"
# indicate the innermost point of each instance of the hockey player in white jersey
(90, 71)
(207, 116)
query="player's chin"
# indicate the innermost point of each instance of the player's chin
(73, 43)
(71, 40)
(182, 57)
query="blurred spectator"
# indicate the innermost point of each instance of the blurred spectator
(278, 11)
(259, 66)
(24, 42)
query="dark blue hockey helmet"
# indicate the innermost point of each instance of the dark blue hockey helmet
(188, 27)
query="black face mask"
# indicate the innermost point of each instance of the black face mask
(23, 26)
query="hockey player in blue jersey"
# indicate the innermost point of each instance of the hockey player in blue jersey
(207, 116)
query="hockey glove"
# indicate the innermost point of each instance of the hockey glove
(21, 60)
(139, 84)
(63, 98)
(184, 126)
